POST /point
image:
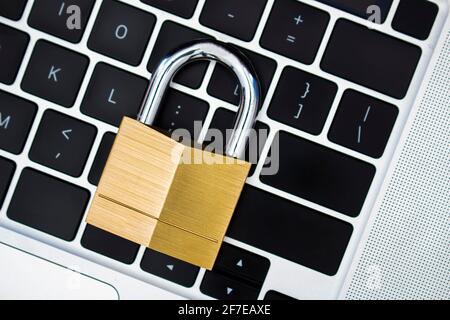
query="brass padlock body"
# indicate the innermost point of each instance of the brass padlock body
(148, 195)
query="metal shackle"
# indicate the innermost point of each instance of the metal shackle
(224, 54)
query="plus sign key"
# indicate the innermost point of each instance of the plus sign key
(295, 30)
(63, 143)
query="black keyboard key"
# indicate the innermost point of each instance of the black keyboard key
(64, 19)
(121, 32)
(305, 106)
(274, 296)
(7, 168)
(171, 36)
(373, 10)
(181, 111)
(321, 175)
(113, 93)
(221, 287)
(169, 268)
(48, 204)
(62, 143)
(109, 245)
(363, 123)
(16, 118)
(371, 58)
(182, 8)
(101, 158)
(242, 264)
(55, 73)
(415, 18)
(236, 18)
(12, 9)
(295, 30)
(289, 230)
(13, 44)
(225, 86)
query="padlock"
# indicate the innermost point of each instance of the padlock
(151, 195)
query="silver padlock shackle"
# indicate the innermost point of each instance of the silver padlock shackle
(211, 50)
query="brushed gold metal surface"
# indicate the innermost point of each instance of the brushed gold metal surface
(152, 193)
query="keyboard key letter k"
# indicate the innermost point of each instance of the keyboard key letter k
(53, 73)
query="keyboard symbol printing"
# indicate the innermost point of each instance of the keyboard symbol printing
(300, 105)
(177, 113)
(307, 87)
(170, 267)
(66, 136)
(298, 20)
(291, 39)
(364, 121)
(236, 90)
(299, 112)
(4, 122)
(65, 133)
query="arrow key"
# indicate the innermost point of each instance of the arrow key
(221, 287)
(169, 268)
(63, 143)
(242, 264)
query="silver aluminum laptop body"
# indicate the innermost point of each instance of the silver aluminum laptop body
(398, 247)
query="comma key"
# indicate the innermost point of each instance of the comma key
(63, 143)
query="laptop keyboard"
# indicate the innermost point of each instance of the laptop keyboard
(301, 103)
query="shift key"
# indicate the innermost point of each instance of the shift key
(321, 175)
